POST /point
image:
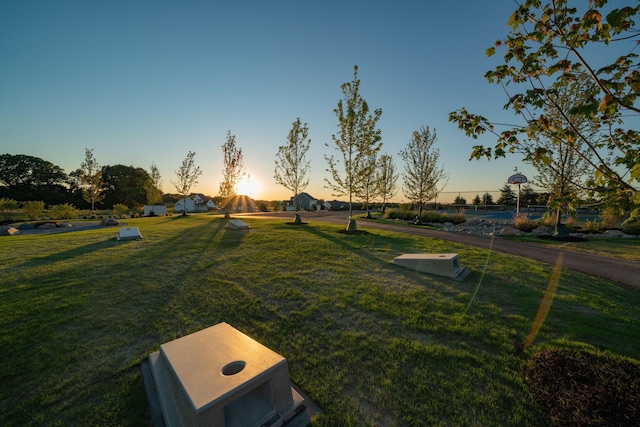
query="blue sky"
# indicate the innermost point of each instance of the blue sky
(147, 81)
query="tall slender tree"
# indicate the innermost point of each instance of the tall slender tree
(154, 185)
(187, 176)
(93, 186)
(422, 175)
(386, 178)
(366, 189)
(357, 140)
(233, 170)
(292, 165)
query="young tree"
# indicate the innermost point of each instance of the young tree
(93, 187)
(357, 140)
(476, 200)
(422, 175)
(386, 178)
(507, 196)
(187, 176)
(550, 44)
(233, 170)
(154, 185)
(292, 165)
(366, 189)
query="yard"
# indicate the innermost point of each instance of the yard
(370, 342)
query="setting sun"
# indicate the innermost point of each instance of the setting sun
(248, 187)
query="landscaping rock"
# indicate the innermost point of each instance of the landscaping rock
(46, 225)
(543, 230)
(109, 221)
(510, 231)
(612, 234)
(8, 231)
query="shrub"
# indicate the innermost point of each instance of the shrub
(8, 208)
(610, 217)
(523, 222)
(33, 209)
(591, 226)
(549, 218)
(120, 210)
(632, 228)
(66, 211)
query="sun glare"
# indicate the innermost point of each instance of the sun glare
(248, 187)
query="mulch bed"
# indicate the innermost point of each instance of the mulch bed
(580, 388)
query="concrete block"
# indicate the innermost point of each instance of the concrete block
(447, 265)
(237, 224)
(129, 233)
(221, 377)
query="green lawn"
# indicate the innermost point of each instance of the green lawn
(370, 342)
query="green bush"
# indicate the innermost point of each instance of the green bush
(66, 211)
(8, 208)
(523, 222)
(632, 228)
(33, 209)
(591, 226)
(610, 217)
(120, 210)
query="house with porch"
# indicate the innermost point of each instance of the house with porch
(195, 203)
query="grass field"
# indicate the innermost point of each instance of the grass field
(371, 343)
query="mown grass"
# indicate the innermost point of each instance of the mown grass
(370, 342)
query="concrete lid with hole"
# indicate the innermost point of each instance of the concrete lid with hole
(215, 361)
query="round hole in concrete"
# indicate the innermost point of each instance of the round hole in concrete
(233, 367)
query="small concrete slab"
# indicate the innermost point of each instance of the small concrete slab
(447, 265)
(129, 233)
(237, 224)
(221, 377)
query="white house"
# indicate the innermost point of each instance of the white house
(195, 203)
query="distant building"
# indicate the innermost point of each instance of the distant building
(195, 203)
(305, 202)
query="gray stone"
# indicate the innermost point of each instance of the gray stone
(510, 231)
(613, 233)
(543, 230)
(109, 221)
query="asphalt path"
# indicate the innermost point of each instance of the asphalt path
(615, 269)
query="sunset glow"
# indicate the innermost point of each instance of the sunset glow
(248, 187)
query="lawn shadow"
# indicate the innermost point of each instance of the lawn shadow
(108, 242)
